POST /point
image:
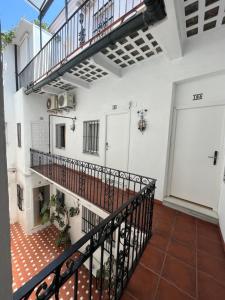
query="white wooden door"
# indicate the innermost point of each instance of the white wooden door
(117, 141)
(196, 173)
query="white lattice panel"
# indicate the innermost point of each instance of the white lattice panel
(132, 49)
(61, 85)
(203, 15)
(128, 51)
(39, 92)
(88, 71)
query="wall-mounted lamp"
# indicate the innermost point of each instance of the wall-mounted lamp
(73, 126)
(142, 124)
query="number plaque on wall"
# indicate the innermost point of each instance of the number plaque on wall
(197, 97)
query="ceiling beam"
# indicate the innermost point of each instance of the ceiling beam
(106, 64)
(74, 81)
(168, 32)
(51, 90)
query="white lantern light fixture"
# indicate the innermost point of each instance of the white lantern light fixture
(142, 124)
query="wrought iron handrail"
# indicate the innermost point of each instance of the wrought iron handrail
(105, 187)
(131, 223)
(75, 35)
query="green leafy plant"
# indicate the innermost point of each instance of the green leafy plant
(43, 25)
(7, 38)
(107, 273)
(55, 210)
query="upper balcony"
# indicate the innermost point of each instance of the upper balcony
(104, 187)
(98, 38)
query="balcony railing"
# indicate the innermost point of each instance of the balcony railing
(89, 23)
(108, 272)
(105, 187)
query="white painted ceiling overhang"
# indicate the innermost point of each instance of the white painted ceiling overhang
(203, 15)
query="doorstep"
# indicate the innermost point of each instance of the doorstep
(192, 209)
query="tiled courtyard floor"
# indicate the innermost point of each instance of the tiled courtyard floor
(31, 253)
(184, 260)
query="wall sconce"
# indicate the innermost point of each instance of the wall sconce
(142, 124)
(73, 126)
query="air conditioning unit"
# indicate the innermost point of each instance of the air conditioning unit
(66, 100)
(52, 103)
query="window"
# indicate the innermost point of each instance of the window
(60, 197)
(89, 221)
(20, 197)
(91, 137)
(103, 17)
(60, 136)
(19, 135)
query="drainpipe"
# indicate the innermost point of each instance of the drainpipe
(40, 24)
(16, 68)
(66, 10)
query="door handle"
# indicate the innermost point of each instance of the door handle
(215, 157)
(106, 146)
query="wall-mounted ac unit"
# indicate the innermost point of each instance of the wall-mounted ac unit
(66, 100)
(52, 103)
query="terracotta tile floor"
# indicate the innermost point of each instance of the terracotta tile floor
(184, 260)
(31, 253)
(106, 196)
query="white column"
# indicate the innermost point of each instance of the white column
(5, 257)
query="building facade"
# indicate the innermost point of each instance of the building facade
(151, 103)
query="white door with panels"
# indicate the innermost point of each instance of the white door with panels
(197, 157)
(117, 141)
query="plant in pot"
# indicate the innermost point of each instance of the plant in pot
(107, 274)
(55, 210)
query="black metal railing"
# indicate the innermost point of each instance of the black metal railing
(89, 23)
(108, 272)
(105, 187)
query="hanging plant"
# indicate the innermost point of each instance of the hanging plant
(55, 210)
(7, 38)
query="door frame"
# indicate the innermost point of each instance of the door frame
(171, 145)
(128, 112)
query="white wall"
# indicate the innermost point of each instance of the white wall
(149, 85)
(28, 109)
(36, 38)
(9, 90)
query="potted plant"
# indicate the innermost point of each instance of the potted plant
(55, 210)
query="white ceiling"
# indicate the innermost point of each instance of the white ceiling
(203, 15)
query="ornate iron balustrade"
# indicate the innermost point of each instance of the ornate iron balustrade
(131, 224)
(81, 30)
(105, 187)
